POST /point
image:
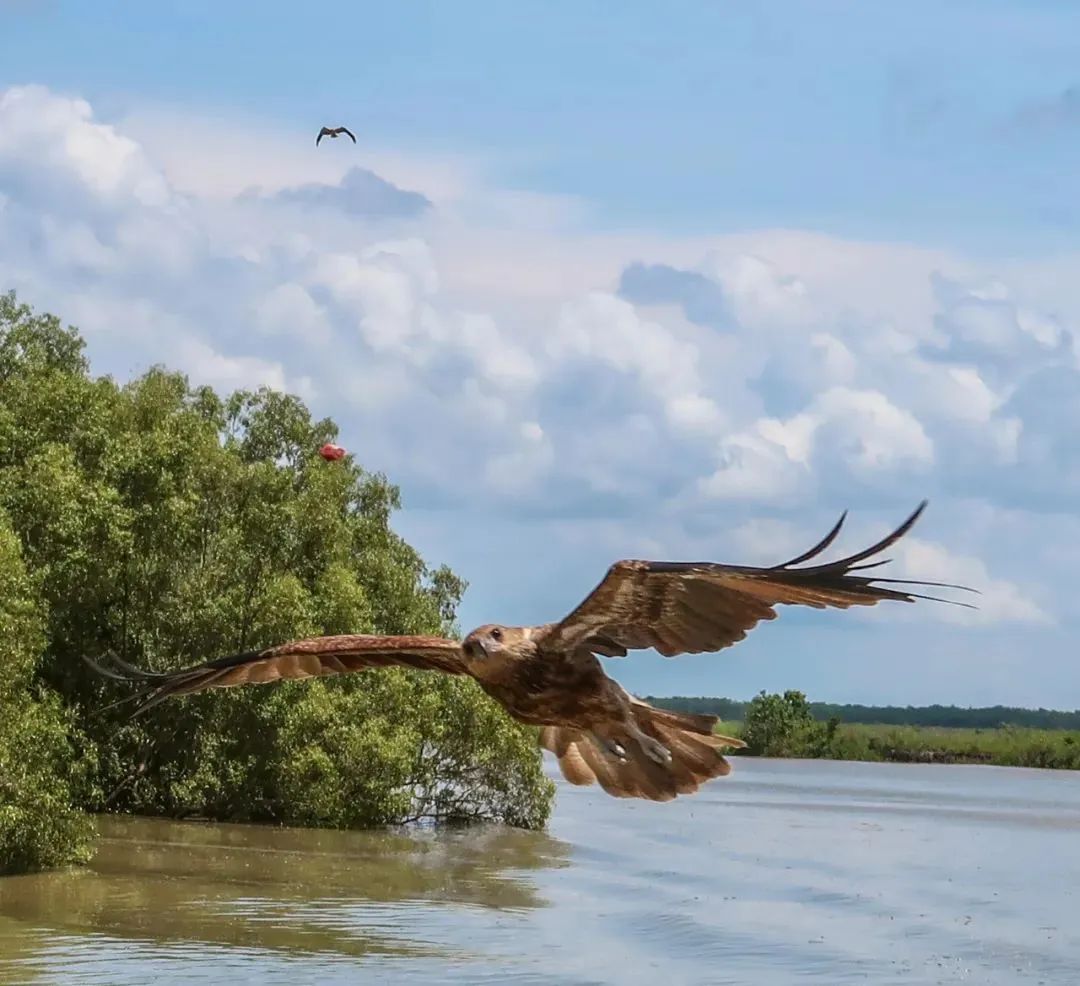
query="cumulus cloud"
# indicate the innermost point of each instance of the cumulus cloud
(359, 193)
(998, 601)
(92, 228)
(289, 309)
(700, 298)
(87, 163)
(760, 293)
(1046, 455)
(604, 329)
(858, 434)
(982, 325)
(729, 385)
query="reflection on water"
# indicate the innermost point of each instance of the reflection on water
(788, 871)
(293, 890)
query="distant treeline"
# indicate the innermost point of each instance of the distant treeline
(949, 716)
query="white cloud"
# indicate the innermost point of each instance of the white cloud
(759, 292)
(484, 352)
(520, 468)
(860, 431)
(999, 600)
(981, 322)
(73, 152)
(838, 363)
(604, 329)
(755, 469)
(230, 373)
(866, 430)
(289, 309)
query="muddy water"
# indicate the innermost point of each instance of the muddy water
(785, 872)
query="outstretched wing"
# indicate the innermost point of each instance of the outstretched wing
(701, 607)
(314, 657)
(322, 133)
(346, 130)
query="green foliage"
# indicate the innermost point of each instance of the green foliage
(775, 725)
(948, 716)
(168, 524)
(1007, 746)
(39, 768)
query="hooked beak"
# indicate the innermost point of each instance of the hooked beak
(475, 650)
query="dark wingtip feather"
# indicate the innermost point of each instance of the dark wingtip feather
(100, 712)
(819, 547)
(149, 701)
(131, 673)
(869, 564)
(940, 599)
(938, 585)
(151, 682)
(850, 561)
(104, 672)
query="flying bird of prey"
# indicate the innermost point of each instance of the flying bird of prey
(333, 132)
(551, 676)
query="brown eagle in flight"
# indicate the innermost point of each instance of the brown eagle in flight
(550, 675)
(333, 133)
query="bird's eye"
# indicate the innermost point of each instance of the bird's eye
(496, 634)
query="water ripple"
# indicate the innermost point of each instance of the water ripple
(787, 871)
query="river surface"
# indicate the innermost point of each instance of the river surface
(785, 872)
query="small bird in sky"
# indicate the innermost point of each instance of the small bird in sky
(551, 676)
(333, 132)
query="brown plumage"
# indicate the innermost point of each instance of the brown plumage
(333, 132)
(550, 676)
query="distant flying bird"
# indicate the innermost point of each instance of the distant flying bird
(550, 675)
(333, 132)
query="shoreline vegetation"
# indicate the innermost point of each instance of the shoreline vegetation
(787, 725)
(163, 523)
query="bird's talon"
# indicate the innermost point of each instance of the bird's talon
(656, 751)
(613, 747)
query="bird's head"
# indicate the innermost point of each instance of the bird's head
(491, 642)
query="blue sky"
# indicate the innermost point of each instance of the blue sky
(865, 119)
(679, 282)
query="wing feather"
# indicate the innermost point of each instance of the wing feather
(702, 607)
(313, 657)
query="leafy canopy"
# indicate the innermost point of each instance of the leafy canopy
(39, 764)
(775, 724)
(168, 524)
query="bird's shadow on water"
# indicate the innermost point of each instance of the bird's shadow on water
(349, 894)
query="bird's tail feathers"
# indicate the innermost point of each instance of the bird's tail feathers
(587, 758)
